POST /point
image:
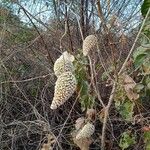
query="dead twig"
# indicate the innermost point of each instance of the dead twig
(106, 114)
(26, 80)
(65, 33)
(93, 82)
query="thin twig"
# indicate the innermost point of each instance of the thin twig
(102, 63)
(79, 25)
(93, 82)
(26, 80)
(106, 114)
(65, 33)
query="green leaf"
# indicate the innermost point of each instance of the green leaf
(147, 140)
(126, 140)
(146, 67)
(146, 136)
(126, 110)
(141, 55)
(84, 87)
(140, 51)
(145, 7)
(147, 146)
(144, 49)
(138, 87)
(139, 60)
(148, 85)
(87, 101)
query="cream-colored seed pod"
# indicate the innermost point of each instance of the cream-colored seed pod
(65, 86)
(64, 64)
(67, 56)
(79, 123)
(86, 131)
(88, 44)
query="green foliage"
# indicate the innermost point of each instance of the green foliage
(147, 140)
(126, 110)
(105, 74)
(145, 7)
(85, 97)
(145, 36)
(139, 87)
(142, 58)
(87, 101)
(124, 106)
(126, 140)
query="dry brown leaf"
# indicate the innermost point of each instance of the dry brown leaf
(91, 114)
(83, 144)
(146, 69)
(129, 85)
(102, 114)
(50, 142)
(129, 63)
(146, 128)
(45, 147)
(51, 139)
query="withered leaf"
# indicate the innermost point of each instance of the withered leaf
(129, 85)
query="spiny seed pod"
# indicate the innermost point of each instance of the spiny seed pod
(86, 131)
(64, 88)
(67, 56)
(79, 123)
(88, 44)
(64, 64)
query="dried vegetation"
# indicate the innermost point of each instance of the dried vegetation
(80, 80)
